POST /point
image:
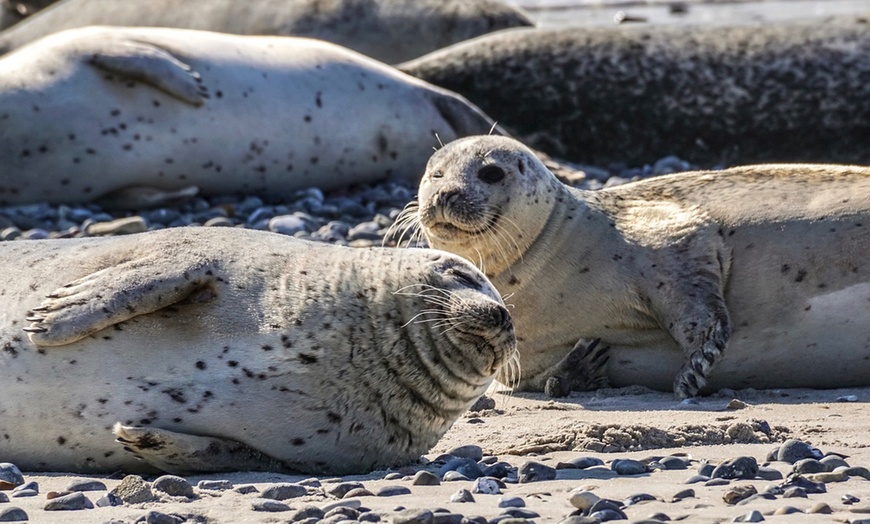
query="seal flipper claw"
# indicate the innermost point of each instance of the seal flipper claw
(183, 453)
(115, 294)
(155, 66)
(583, 368)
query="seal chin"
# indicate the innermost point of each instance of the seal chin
(490, 332)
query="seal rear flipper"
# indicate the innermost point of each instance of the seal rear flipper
(584, 368)
(145, 197)
(154, 66)
(183, 453)
(115, 294)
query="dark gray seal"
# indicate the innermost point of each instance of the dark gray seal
(755, 276)
(228, 349)
(389, 30)
(713, 96)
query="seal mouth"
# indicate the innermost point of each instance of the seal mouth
(455, 228)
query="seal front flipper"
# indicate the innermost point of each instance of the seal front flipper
(154, 66)
(183, 453)
(115, 294)
(583, 368)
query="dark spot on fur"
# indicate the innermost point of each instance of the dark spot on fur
(784, 268)
(307, 359)
(267, 347)
(513, 280)
(61, 440)
(333, 417)
(232, 363)
(800, 275)
(200, 364)
(298, 442)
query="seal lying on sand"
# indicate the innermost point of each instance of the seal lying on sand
(227, 349)
(389, 30)
(91, 111)
(755, 276)
(786, 92)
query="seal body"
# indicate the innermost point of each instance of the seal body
(793, 92)
(91, 111)
(388, 30)
(755, 276)
(212, 350)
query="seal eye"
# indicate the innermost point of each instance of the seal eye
(464, 277)
(491, 174)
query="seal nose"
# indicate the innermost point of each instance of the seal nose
(447, 198)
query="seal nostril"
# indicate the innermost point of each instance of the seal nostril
(448, 197)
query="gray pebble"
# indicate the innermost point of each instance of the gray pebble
(532, 471)
(86, 485)
(133, 490)
(312, 482)
(392, 491)
(34, 234)
(247, 488)
(341, 489)
(71, 502)
(499, 470)
(29, 486)
(673, 463)
(219, 222)
(736, 468)
(370, 517)
(3, 497)
(463, 495)
(795, 492)
(511, 502)
(307, 512)
(13, 515)
(793, 450)
(454, 476)
(269, 505)
(10, 233)
(706, 469)
(684, 494)
(156, 517)
(850, 499)
(344, 511)
(658, 516)
(694, 479)
(717, 482)
(833, 462)
(283, 491)
(447, 518)
(425, 478)
(350, 503)
(752, 516)
(358, 492)
(808, 465)
(821, 508)
(576, 519)
(857, 471)
(482, 403)
(768, 473)
(365, 231)
(808, 485)
(173, 485)
(24, 493)
(119, 226)
(521, 513)
(465, 466)
(215, 485)
(786, 510)
(287, 224)
(628, 467)
(486, 486)
(606, 515)
(108, 500)
(581, 463)
(393, 476)
(469, 451)
(414, 516)
(631, 500)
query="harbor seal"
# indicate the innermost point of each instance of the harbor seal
(228, 349)
(92, 111)
(388, 30)
(755, 276)
(791, 92)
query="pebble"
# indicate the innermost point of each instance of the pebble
(685, 494)
(499, 470)
(463, 495)
(694, 479)
(808, 465)
(737, 468)
(344, 511)
(156, 517)
(752, 516)
(582, 499)
(307, 512)
(13, 515)
(120, 226)
(133, 490)
(283, 491)
(832, 462)
(358, 492)
(172, 485)
(717, 482)
(454, 476)
(3, 497)
(828, 477)
(481, 404)
(108, 500)
(856, 471)
(821, 507)
(738, 493)
(521, 513)
(288, 224)
(849, 499)
(247, 488)
(71, 502)
(768, 473)
(511, 502)
(392, 491)
(787, 510)
(370, 517)
(795, 492)
(215, 485)
(469, 451)
(631, 500)
(582, 463)
(532, 471)
(486, 486)
(23, 493)
(272, 506)
(673, 463)
(808, 485)
(447, 518)
(10, 476)
(414, 516)
(341, 489)
(350, 503)
(86, 485)
(736, 404)
(628, 467)
(793, 450)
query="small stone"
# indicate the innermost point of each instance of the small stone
(850, 499)
(392, 476)
(481, 404)
(795, 492)
(312, 482)
(521, 513)
(793, 450)
(425, 478)
(341, 489)
(173, 485)
(532, 471)
(215, 485)
(344, 511)
(268, 505)
(23, 493)
(786, 510)
(821, 508)
(631, 500)
(832, 462)
(736, 404)
(370, 517)
(582, 499)
(717, 482)
(10, 233)
(13, 515)
(768, 473)
(283, 491)
(467, 467)
(247, 488)
(469, 451)
(288, 224)
(414, 516)
(685, 494)
(120, 226)
(499, 470)
(828, 477)
(848, 398)
(463, 495)
(608, 514)
(706, 469)
(628, 467)
(392, 491)
(808, 465)
(350, 503)
(133, 490)
(857, 471)
(358, 492)
(486, 486)
(219, 222)
(738, 493)
(576, 519)
(584, 462)
(3, 497)
(673, 463)
(737, 468)
(108, 500)
(752, 516)
(808, 485)
(694, 479)
(511, 502)
(658, 516)
(71, 502)
(86, 485)
(454, 476)
(307, 512)
(156, 517)
(447, 518)
(30, 486)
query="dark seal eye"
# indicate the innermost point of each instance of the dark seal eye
(464, 277)
(491, 174)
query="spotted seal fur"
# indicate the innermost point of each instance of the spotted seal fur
(755, 276)
(92, 111)
(227, 349)
(388, 30)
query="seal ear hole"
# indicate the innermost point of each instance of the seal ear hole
(491, 174)
(521, 166)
